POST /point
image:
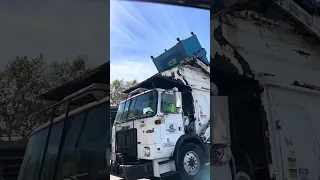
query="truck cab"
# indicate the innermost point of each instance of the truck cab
(146, 116)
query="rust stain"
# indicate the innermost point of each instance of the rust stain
(223, 42)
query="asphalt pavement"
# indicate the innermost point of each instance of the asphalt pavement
(204, 175)
(169, 178)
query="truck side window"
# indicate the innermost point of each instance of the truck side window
(84, 151)
(146, 105)
(167, 103)
(141, 106)
(126, 110)
(131, 113)
(120, 112)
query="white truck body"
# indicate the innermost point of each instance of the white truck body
(163, 138)
(284, 59)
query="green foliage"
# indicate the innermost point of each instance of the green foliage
(22, 82)
(116, 89)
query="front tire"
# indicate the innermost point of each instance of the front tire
(190, 161)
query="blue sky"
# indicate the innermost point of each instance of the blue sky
(139, 30)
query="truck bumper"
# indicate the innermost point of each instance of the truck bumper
(132, 172)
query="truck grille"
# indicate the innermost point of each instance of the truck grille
(126, 143)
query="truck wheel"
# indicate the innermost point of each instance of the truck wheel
(190, 161)
(243, 174)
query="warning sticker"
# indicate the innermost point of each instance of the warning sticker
(303, 174)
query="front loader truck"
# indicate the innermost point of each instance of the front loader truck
(163, 127)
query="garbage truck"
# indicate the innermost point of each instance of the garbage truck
(163, 127)
(265, 90)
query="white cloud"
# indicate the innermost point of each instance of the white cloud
(130, 70)
(139, 30)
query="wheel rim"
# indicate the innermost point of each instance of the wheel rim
(191, 163)
(242, 176)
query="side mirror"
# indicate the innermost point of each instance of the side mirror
(178, 99)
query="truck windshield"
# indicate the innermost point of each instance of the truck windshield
(81, 147)
(141, 106)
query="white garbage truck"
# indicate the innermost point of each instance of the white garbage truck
(265, 75)
(163, 127)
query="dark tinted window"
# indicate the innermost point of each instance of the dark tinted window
(70, 160)
(33, 156)
(84, 151)
(95, 145)
(52, 151)
(86, 143)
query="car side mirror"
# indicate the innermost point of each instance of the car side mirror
(178, 99)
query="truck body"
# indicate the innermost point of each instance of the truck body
(265, 64)
(162, 127)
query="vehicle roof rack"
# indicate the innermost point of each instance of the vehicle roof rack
(137, 91)
(82, 98)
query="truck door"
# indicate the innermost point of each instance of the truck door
(298, 143)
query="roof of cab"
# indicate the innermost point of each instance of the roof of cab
(100, 74)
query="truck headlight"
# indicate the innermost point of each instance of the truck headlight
(146, 151)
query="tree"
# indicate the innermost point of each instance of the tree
(22, 82)
(117, 87)
(60, 72)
